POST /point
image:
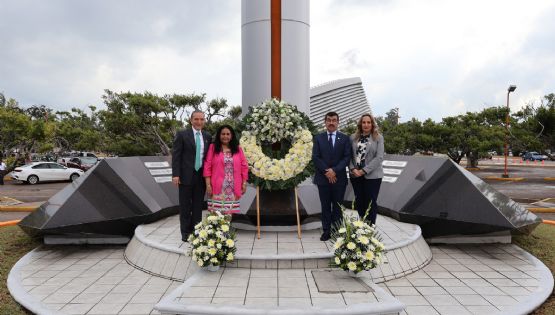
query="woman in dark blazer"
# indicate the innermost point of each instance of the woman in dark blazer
(366, 170)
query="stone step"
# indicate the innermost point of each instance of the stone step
(157, 249)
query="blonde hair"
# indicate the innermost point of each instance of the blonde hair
(374, 131)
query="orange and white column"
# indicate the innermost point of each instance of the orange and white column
(275, 52)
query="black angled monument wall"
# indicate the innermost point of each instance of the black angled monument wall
(111, 199)
(445, 199)
(435, 193)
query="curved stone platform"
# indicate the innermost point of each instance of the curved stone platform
(463, 279)
(157, 249)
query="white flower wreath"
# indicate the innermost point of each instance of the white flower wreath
(292, 164)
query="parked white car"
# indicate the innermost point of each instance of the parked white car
(45, 171)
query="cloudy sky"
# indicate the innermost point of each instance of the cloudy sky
(429, 58)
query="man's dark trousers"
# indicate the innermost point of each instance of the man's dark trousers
(331, 195)
(191, 198)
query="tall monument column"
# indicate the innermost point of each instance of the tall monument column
(275, 52)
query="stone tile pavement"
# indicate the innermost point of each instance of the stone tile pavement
(474, 279)
(72, 280)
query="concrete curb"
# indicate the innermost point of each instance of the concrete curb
(9, 223)
(541, 210)
(18, 208)
(510, 179)
(545, 287)
(516, 163)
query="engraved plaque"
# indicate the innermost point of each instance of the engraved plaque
(157, 164)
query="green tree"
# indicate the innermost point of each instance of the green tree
(533, 127)
(136, 123)
(76, 130)
(473, 134)
(392, 116)
(235, 112)
(14, 130)
(146, 124)
(39, 112)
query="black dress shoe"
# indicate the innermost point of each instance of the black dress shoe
(325, 236)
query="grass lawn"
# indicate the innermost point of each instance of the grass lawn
(14, 244)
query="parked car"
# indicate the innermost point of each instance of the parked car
(64, 159)
(43, 158)
(534, 156)
(87, 154)
(82, 163)
(36, 172)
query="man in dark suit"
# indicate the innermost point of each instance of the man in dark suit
(189, 149)
(331, 154)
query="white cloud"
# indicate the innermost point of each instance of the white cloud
(430, 58)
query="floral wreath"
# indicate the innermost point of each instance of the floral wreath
(294, 162)
(277, 141)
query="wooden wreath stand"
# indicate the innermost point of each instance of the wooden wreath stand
(258, 212)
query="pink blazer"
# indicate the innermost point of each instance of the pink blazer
(214, 168)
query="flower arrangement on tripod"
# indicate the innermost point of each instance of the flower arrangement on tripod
(213, 241)
(277, 142)
(357, 245)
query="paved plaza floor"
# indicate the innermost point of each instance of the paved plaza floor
(455, 279)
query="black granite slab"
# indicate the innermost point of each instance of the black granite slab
(445, 199)
(111, 199)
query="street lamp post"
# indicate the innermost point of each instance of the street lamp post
(511, 88)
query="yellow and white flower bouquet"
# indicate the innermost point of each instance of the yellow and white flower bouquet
(357, 245)
(213, 241)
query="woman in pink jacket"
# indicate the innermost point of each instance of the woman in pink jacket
(225, 171)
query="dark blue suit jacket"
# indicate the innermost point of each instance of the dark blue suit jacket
(324, 158)
(183, 154)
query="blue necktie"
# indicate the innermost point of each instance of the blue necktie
(330, 141)
(198, 162)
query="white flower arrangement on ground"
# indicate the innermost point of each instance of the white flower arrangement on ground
(357, 245)
(292, 164)
(213, 241)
